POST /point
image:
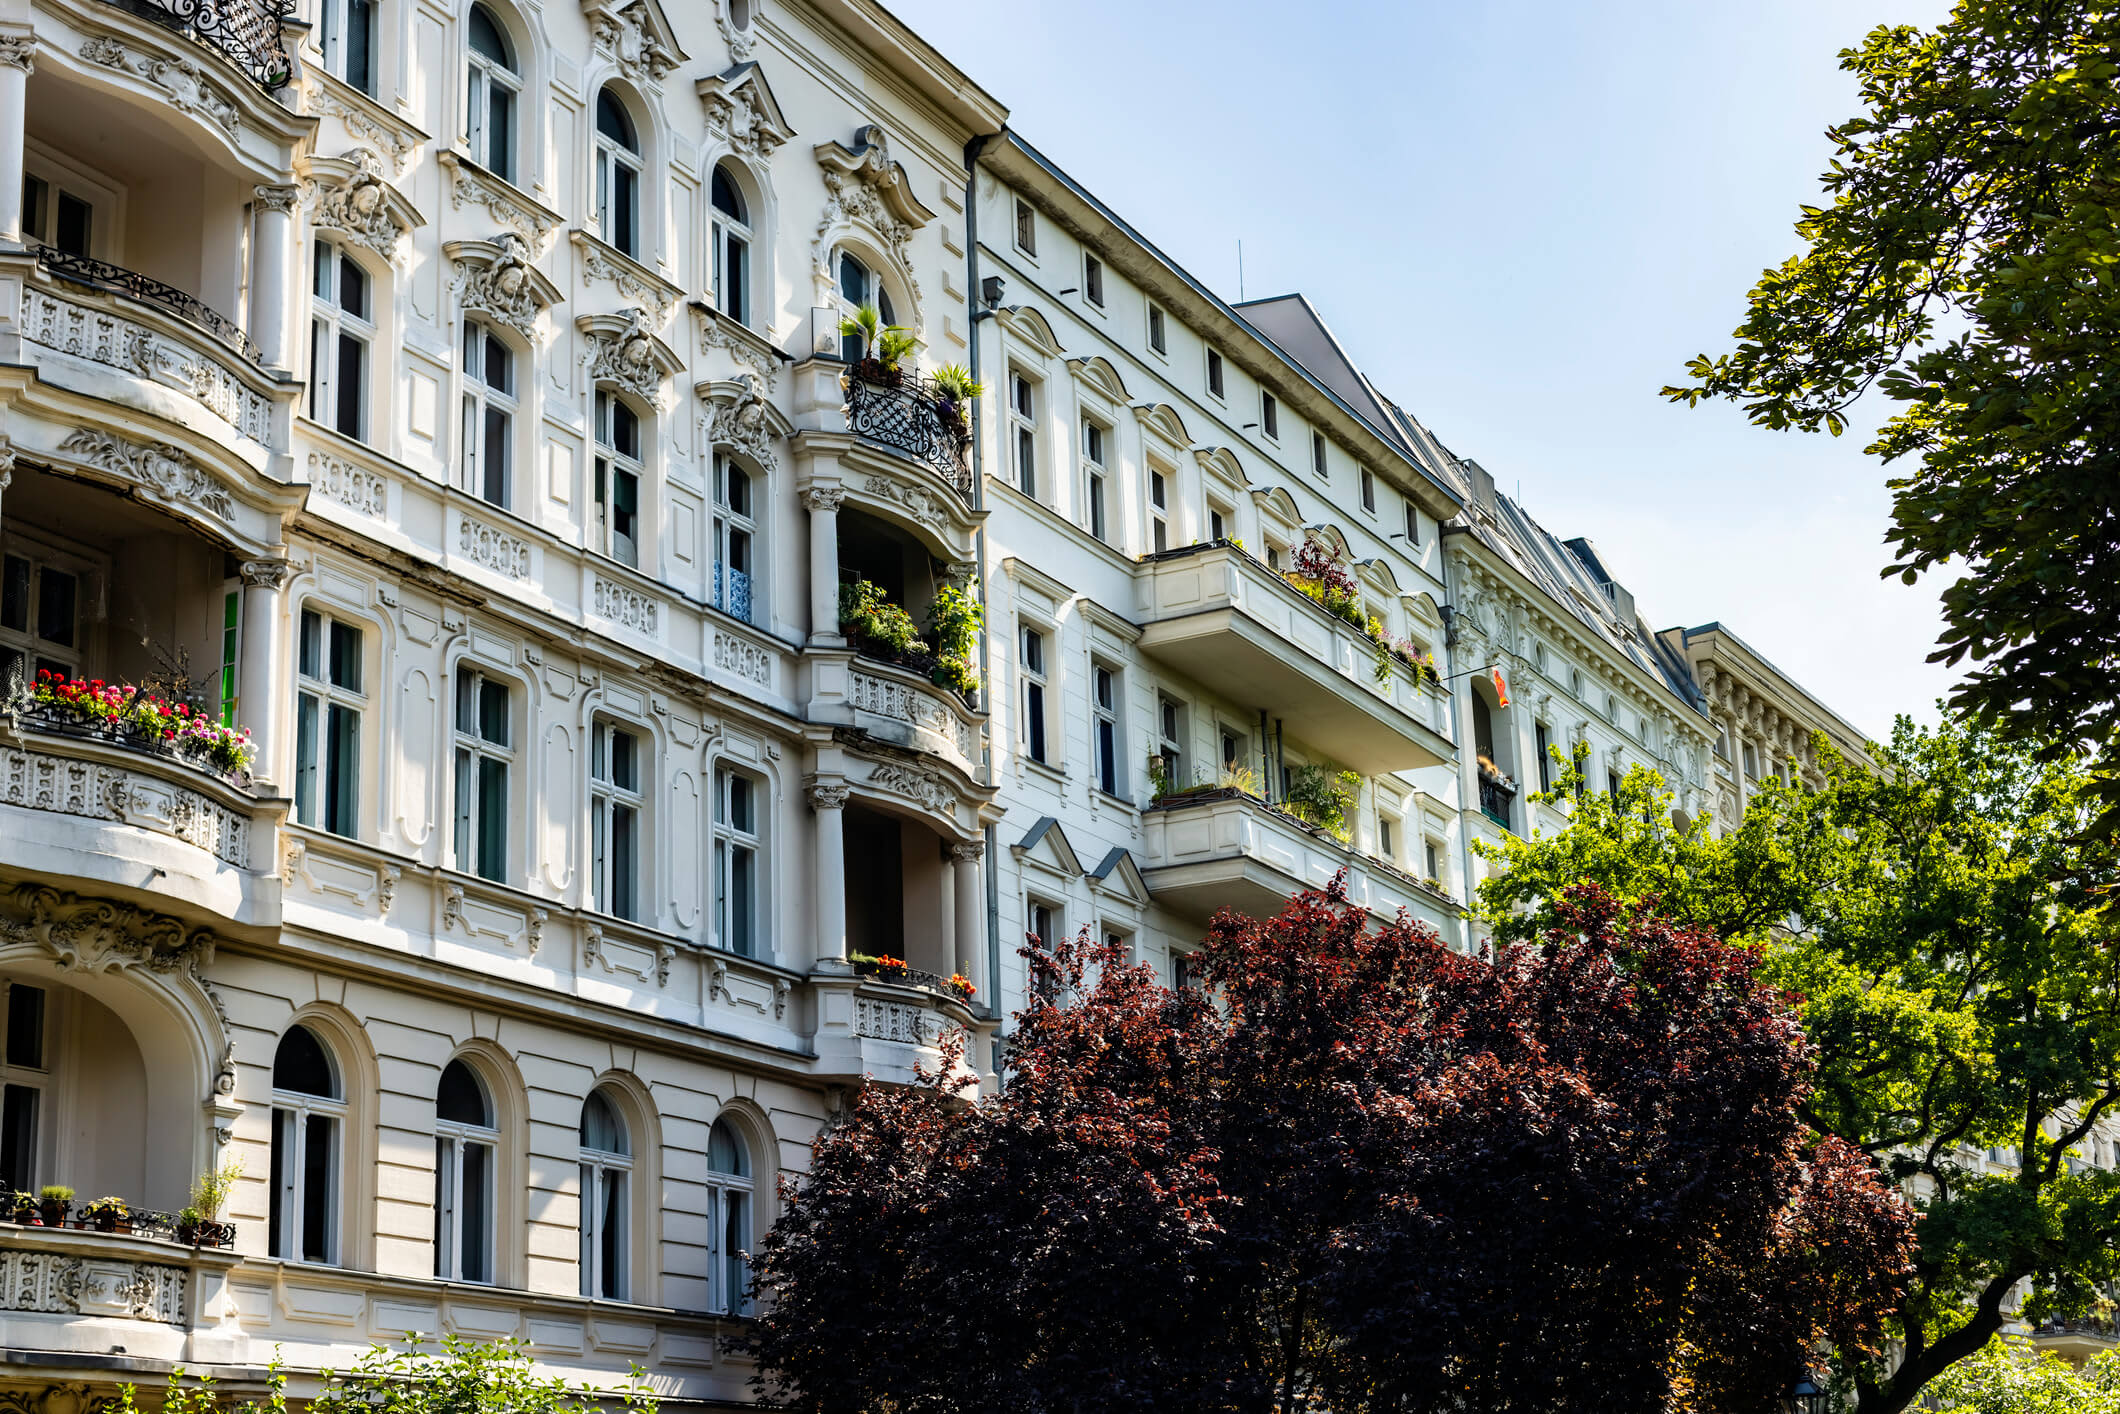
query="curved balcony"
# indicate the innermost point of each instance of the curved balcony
(897, 703)
(245, 32)
(1236, 627)
(1209, 849)
(109, 806)
(914, 419)
(882, 1031)
(113, 334)
(71, 1292)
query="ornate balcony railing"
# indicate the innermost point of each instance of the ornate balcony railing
(147, 741)
(909, 418)
(146, 1222)
(102, 275)
(246, 31)
(1496, 801)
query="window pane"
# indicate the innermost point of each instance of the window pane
(311, 654)
(444, 1202)
(625, 760)
(492, 819)
(301, 1065)
(613, 1236)
(740, 814)
(474, 1213)
(345, 657)
(460, 1099)
(624, 820)
(25, 1025)
(305, 759)
(1034, 724)
(466, 797)
(18, 1138)
(319, 1156)
(14, 594)
(742, 893)
(342, 768)
(360, 30)
(57, 592)
(735, 1239)
(493, 482)
(493, 711)
(352, 357)
(353, 287)
(500, 133)
(283, 1142)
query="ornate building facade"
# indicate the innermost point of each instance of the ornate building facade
(665, 710)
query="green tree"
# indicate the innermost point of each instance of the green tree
(1940, 917)
(1967, 266)
(455, 1377)
(2008, 1377)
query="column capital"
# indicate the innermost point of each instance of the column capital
(275, 198)
(18, 51)
(264, 574)
(823, 498)
(967, 853)
(827, 793)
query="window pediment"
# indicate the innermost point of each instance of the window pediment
(864, 176)
(350, 194)
(623, 350)
(496, 278)
(638, 37)
(740, 105)
(739, 415)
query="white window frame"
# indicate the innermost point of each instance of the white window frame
(1160, 479)
(613, 159)
(732, 1202)
(335, 21)
(1269, 415)
(599, 1169)
(611, 800)
(473, 750)
(291, 1113)
(39, 558)
(1023, 430)
(1217, 376)
(1158, 330)
(1170, 739)
(1093, 280)
(36, 1078)
(1026, 228)
(59, 174)
(319, 696)
(485, 403)
(1369, 491)
(732, 841)
(1096, 480)
(1107, 728)
(1320, 456)
(731, 528)
(483, 76)
(873, 292)
(1033, 666)
(732, 250)
(451, 1139)
(339, 335)
(609, 465)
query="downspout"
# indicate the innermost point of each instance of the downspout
(991, 855)
(1450, 639)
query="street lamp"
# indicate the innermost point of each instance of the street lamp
(1807, 1398)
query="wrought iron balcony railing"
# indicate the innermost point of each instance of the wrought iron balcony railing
(102, 275)
(246, 31)
(912, 419)
(137, 1222)
(1496, 801)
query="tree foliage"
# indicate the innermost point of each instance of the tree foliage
(1941, 919)
(1355, 1171)
(2008, 1377)
(1967, 266)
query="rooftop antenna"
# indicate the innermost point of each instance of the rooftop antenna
(1240, 272)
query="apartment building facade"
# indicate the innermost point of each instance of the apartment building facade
(665, 711)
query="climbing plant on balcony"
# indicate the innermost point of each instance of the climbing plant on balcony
(953, 631)
(1352, 1170)
(1323, 797)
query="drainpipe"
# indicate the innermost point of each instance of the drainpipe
(1457, 731)
(1265, 760)
(991, 855)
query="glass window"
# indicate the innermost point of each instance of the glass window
(308, 1118)
(1094, 438)
(617, 475)
(1093, 280)
(735, 532)
(732, 246)
(1317, 454)
(493, 79)
(329, 701)
(466, 1138)
(859, 286)
(1369, 490)
(485, 758)
(615, 805)
(348, 41)
(618, 168)
(341, 329)
(738, 841)
(729, 1197)
(1269, 414)
(1023, 423)
(1158, 509)
(23, 1080)
(1104, 691)
(40, 618)
(1157, 335)
(1026, 228)
(1033, 726)
(1170, 741)
(1214, 373)
(606, 1171)
(489, 414)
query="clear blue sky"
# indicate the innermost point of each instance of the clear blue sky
(1521, 218)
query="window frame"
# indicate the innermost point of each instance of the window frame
(730, 842)
(335, 24)
(469, 846)
(1159, 510)
(34, 1078)
(725, 523)
(732, 1201)
(609, 463)
(600, 1168)
(1369, 491)
(320, 698)
(618, 190)
(1034, 727)
(732, 245)
(1320, 456)
(1269, 415)
(1092, 280)
(1096, 449)
(452, 1138)
(1023, 391)
(335, 331)
(485, 402)
(483, 74)
(1026, 228)
(40, 556)
(1217, 375)
(1171, 730)
(292, 1114)
(1107, 727)
(608, 797)
(1158, 330)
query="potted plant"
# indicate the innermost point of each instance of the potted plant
(883, 347)
(188, 1225)
(955, 389)
(961, 987)
(107, 1215)
(23, 1207)
(53, 1199)
(885, 967)
(210, 1190)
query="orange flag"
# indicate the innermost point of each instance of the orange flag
(1501, 687)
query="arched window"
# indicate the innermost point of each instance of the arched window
(728, 1220)
(489, 414)
(341, 328)
(466, 1137)
(617, 174)
(732, 247)
(492, 80)
(607, 1166)
(308, 1119)
(618, 472)
(734, 529)
(859, 285)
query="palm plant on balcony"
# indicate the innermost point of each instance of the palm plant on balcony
(955, 391)
(883, 346)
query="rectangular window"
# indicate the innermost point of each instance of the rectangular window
(1432, 856)
(329, 700)
(1544, 737)
(1612, 784)
(1109, 751)
(1093, 440)
(1042, 923)
(39, 620)
(1217, 523)
(22, 1091)
(1413, 525)
(485, 754)
(1170, 742)
(1269, 414)
(1093, 280)
(615, 802)
(1751, 762)
(1158, 339)
(618, 473)
(1026, 227)
(738, 841)
(1214, 373)
(1034, 694)
(1184, 972)
(1387, 838)
(1023, 421)
(1317, 454)
(1369, 491)
(340, 329)
(1158, 510)
(489, 413)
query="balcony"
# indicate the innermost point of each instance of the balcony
(72, 1293)
(245, 32)
(1497, 798)
(1229, 623)
(1210, 849)
(2078, 1338)
(885, 1030)
(915, 419)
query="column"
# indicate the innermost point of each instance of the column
(257, 684)
(823, 503)
(271, 289)
(971, 939)
(828, 797)
(17, 57)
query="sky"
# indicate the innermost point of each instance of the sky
(1521, 219)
